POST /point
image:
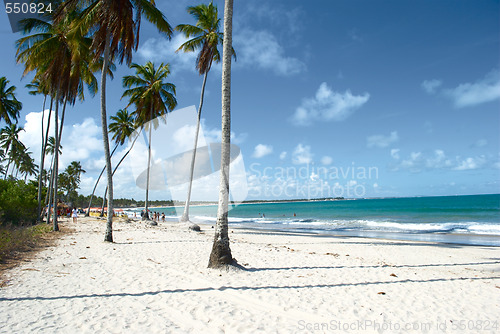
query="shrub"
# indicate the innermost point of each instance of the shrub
(18, 202)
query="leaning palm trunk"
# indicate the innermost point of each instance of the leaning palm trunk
(185, 215)
(42, 162)
(221, 252)
(146, 214)
(114, 170)
(104, 124)
(56, 165)
(95, 186)
(48, 200)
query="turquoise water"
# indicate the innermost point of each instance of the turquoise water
(471, 219)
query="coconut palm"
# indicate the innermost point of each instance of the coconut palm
(152, 98)
(206, 36)
(27, 166)
(37, 87)
(121, 127)
(10, 143)
(115, 27)
(9, 105)
(51, 146)
(62, 58)
(74, 171)
(221, 252)
(72, 176)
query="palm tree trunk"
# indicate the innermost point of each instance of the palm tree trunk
(97, 182)
(116, 167)
(49, 199)
(104, 124)
(146, 214)
(7, 169)
(42, 158)
(221, 252)
(185, 215)
(55, 170)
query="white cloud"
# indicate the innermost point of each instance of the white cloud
(328, 105)
(261, 49)
(418, 162)
(326, 160)
(431, 86)
(395, 153)
(302, 154)
(381, 140)
(79, 141)
(471, 163)
(470, 94)
(283, 155)
(262, 150)
(163, 50)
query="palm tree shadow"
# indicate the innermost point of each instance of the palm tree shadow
(240, 288)
(374, 266)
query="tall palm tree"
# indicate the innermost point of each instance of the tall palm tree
(37, 87)
(115, 27)
(61, 56)
(9, 105)
(152, 98)
(206, 36)
(221, 252)
(10, 143)
(121, 127)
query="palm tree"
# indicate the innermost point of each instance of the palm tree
(51, 146)
(207, 37)
(122, 127)
(27, 166)
(9, 142)
(61, 56)
(152, 98)
(115, 26)
(9, 105)
(37, 87)
(74, 171)
(221, 252)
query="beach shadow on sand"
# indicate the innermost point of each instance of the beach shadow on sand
(239, 288)
(378, 266)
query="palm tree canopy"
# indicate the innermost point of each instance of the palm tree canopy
(9, 138)
(147, 90)
(51, 145)
(122, 126)
(206, 36)
(61, 56)
(74, 171)
(9, 105)
(120, 18)
(26, 164)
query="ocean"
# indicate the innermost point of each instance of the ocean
(473, 220)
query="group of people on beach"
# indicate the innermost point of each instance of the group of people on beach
(61, 212)
(154, 215)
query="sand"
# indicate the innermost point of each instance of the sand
(155, 280)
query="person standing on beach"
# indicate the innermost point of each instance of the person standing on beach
(74, 214)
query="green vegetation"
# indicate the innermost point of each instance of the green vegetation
(13, 240)
(18, 202)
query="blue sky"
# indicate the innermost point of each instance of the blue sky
(409, 89)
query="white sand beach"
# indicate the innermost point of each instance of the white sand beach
(155, 280)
